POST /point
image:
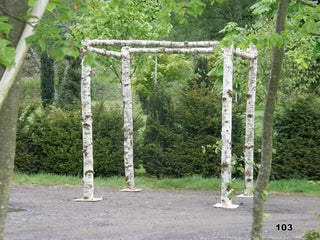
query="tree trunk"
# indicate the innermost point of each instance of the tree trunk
(266, 151)
(226, 132)
(8, 123)
(249, 144)
(9, 96)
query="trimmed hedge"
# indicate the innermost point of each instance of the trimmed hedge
(297, 140)
(178, 128)
(51, 140)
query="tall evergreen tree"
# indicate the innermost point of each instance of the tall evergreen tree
(47, 79)
(69, 81)
(201, 71)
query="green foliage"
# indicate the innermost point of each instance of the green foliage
(201, 71)
(6, 51)
(312, 234)
(47, 79)
(50, 141)
(171, 70)
(297, 139)
(132, 20)
(52, 31)
(214, 16)
(178, 128)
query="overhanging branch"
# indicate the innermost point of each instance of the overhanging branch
(307, 3)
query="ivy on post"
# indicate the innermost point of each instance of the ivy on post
(88, 173)
(128, 122)
(226, 133)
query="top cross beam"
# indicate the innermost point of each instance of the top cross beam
(167, 47)
(149, 43)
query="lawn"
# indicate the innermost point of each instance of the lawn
(292, 186)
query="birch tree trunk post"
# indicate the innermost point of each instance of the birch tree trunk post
(88, 173)
(267, 129)
(128, 122)
(226, 133)
(250, 116)
(156, 70)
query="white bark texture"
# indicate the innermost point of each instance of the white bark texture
(165, 47)
(247, 55)
(128, 120)
(249, 142)
(104, 52)
(226, 133)
(88, 173)
(149, 43)
(171, 50)
(10, 74)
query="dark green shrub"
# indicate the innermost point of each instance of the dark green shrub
(176, 132)
(108, 140)
(51, 141)
(297, 140)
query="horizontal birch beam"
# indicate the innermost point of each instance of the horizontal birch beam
(104, 52)
(248, 55)
(171, 50)
(166, 47)
(116, 54)
(149, 43)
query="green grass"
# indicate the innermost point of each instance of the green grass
(187, 183)
(295, 186)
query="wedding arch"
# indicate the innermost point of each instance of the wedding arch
(129, 47)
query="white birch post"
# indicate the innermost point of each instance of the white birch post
(249, 144)
(156, 70)
(88, 173)
(226, 155)
(128, 122)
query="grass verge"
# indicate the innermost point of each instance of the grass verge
(292, 186)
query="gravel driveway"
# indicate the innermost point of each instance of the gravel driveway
(42, 212)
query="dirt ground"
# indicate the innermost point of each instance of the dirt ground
(41, 212)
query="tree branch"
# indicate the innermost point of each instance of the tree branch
(13, 17)
(307, 3)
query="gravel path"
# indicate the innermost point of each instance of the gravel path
(42, 212)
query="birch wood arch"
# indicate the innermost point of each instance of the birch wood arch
(129, 47)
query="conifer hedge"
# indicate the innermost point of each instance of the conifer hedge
(181, 130)
(50, 140)
(297, 139)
